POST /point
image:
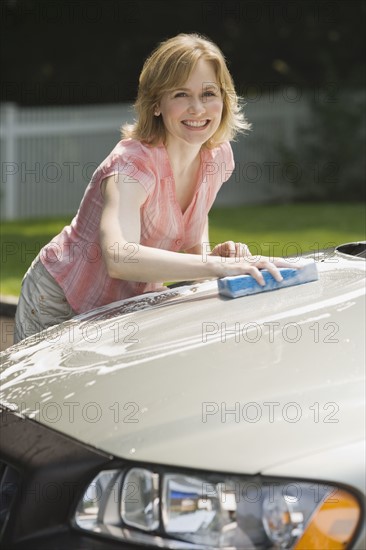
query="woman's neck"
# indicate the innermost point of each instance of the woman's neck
(182, 159)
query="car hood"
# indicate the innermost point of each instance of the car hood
(189, 378)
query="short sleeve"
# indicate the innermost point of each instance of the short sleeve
(228, 160)
(134, 165)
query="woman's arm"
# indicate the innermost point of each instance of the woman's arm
(127, 259)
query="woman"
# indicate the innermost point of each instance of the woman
(149, 199)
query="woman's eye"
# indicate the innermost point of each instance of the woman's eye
(207, 93)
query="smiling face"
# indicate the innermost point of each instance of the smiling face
(192, 113)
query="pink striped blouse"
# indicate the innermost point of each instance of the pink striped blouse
(74, 256)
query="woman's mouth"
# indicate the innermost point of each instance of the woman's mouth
(196, 123)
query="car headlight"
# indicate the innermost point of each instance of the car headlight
(179, 510)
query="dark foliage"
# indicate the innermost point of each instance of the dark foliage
(77, 52)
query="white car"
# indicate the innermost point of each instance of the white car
(184, 419)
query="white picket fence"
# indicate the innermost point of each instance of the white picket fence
(48, 154)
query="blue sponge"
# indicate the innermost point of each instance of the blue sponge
(242, 285)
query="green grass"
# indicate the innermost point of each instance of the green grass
(289, 229)
(20, 243)
(267, 229)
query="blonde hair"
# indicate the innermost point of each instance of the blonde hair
(169, 67)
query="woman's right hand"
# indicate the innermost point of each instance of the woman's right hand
(236, 259)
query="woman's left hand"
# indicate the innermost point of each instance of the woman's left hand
(229, 249)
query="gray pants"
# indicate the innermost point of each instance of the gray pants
(42, 303)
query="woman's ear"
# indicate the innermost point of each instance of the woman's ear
(157, 111)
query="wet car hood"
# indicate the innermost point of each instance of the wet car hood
(187, 377)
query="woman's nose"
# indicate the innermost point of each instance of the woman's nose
(196, 106)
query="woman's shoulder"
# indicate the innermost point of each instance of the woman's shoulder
(221, 148)
(132, 147)
(222, 151)
(133, 159)
(128, 152)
